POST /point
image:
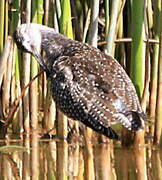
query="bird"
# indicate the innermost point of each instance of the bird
(87, 84)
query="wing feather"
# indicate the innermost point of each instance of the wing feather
(101, 87)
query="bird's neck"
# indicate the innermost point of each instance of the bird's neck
(54, 44)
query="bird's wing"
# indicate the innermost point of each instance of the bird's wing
(101, 86)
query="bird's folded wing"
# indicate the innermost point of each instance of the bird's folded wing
(102, 89)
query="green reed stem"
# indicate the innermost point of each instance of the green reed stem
(112, 26)
(138, 46)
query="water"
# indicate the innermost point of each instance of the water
(32, 158)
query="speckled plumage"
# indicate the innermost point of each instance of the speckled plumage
(87, 85)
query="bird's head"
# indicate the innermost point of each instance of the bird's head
(28, 38)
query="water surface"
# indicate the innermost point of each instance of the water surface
(43, 159)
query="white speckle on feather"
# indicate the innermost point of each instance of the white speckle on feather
(123, 119)
(119, 105)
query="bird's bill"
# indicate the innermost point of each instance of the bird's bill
(39, 59)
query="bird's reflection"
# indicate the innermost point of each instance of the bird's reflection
(48, 159)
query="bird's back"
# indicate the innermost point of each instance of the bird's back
(91, 86)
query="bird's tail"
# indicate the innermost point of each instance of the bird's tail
(110, 133)
(98, 127)
(136, 120)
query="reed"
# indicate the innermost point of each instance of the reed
(138, 46)
(7, 83)
(65, 21)
(87, 21)
(88, 161)
(49, 105)
(66, 29)
(2, 19)
(140, 162)
(36, 18)
(25, 76)
(112, 27)
(17, 120)
(156, 164)
(107, 21)
(62, 161)
(93, 28)
(34, 159)
(76, 11)
(4, 57)
(6, 20)
(119, 48)
(55, 22)
(40, 12)
(49, 111)
(102, 161)
(34, 72)
(158, 123)
(154, 64)
(138, 54)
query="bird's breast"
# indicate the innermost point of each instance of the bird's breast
(62, 92)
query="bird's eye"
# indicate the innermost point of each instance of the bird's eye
(21, 46)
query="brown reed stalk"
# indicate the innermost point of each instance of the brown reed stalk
(49, 110)
(46, 12)
(15, 93)
(119, 50)
(4, 57)
(6, 20)
(76, 24)
(102, 160)
(87, 22)
(17, 101)
(88, 159)
(93, 29)
(148, 26)
(15, 88)
(62, 161)
(140, 162)
(154, 64)
(26, 68)
(107, 21)
(7, 83)
(26, 170)
(49, 104)
(2, 19)
(34, 156)
(156, 164)
(34, 72)
(158, 122)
